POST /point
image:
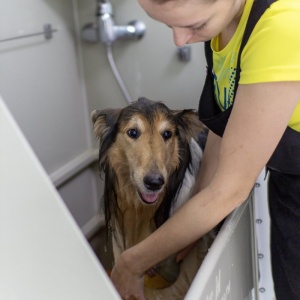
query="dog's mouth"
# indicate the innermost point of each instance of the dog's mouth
(149, 198)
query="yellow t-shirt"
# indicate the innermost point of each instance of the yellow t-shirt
(271, 54)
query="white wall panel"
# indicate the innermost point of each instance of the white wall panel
(42, 84)
(78, 198)
(40, 80)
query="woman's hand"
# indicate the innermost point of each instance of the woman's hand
(128, 282)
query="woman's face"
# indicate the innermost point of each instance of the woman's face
(194, 21)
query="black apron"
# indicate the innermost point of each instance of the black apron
(286, 157)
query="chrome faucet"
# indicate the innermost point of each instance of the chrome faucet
(105, 29)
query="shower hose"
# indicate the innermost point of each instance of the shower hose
(116, 73)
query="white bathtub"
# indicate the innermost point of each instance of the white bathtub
(238, 266)
(43, 254)
(227, 271)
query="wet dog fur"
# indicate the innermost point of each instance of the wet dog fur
(150, 156)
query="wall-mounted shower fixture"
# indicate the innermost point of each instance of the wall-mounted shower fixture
(106, 31)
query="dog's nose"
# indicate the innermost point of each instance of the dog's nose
(153, 182)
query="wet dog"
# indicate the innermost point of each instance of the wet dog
(150, 156)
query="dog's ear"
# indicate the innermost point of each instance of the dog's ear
(103, 120)
(188, 124)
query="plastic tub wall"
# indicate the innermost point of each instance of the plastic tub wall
(227, 271)
(238, 265)
(43, 254)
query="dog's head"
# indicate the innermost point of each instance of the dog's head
(145, 146)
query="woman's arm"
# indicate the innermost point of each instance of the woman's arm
(208, 167)
(258, 120)
(209, 161)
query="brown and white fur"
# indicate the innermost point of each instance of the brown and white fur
(150, 156)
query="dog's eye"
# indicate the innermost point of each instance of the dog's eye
(167, 135)
(133, 133)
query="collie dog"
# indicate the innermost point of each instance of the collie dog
(150, 156)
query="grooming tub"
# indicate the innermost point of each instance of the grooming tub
(43, 254)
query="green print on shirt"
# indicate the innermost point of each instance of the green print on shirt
(225, 99)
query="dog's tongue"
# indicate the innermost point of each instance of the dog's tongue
(150, 198)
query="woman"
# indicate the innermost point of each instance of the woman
(263, 129)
